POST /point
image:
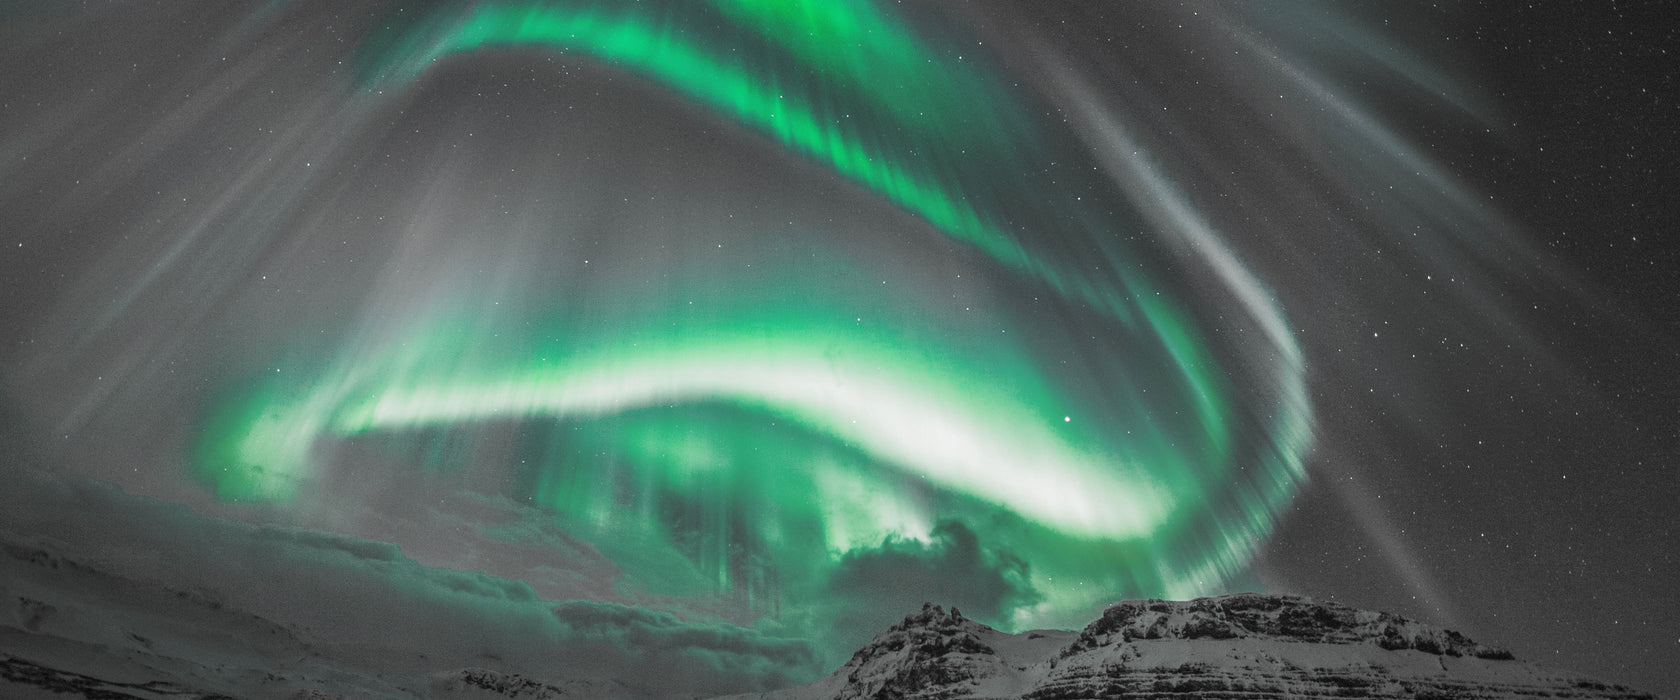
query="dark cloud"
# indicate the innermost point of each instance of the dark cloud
(877, 586)
(655, 636)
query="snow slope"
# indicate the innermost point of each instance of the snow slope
(70, 628)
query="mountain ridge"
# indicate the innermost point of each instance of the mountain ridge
(85, 626)
(1239, 646)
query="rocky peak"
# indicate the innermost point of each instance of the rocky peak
(934, 617)
(928, 649)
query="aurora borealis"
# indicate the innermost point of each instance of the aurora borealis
(747, 326)
(773, 421)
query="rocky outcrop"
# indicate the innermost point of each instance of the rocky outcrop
(930, 654)
(1275, 617)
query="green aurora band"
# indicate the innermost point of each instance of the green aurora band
(747, 450)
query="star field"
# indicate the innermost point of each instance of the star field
(763, 323)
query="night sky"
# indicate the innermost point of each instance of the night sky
(721, 335)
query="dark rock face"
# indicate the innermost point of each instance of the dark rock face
(1207, 681)
(504, 684)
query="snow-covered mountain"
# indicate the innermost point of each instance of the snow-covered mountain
(1235, 646)
(73, 627)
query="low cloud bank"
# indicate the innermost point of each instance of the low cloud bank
(352, 602)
